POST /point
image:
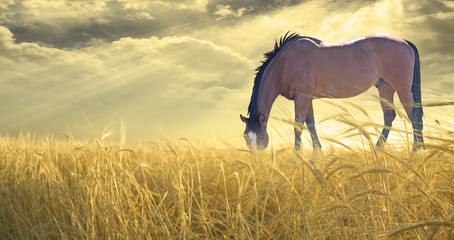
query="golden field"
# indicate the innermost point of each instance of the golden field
(179, 189)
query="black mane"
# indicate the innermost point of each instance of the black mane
(252, 109)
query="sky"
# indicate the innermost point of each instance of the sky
(185, 68)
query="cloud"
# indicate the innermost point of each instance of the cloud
(223, 8)
(225, 11)
(74, 24)
(4, 4)
(70, 24)
(147, 81)
(6, 37)
(173, 78)
(195, 5)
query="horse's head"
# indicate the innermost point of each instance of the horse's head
(255, 133)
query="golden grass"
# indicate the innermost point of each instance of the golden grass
(182, 190)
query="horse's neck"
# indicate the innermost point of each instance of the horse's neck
(267, 95)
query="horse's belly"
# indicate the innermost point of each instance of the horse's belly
(345, 78)
(339, 86)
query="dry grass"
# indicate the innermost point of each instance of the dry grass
(181, 190)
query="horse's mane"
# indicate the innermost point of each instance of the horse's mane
(252, 109)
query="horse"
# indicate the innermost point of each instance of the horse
(302, 68)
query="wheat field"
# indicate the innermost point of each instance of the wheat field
(179, 189)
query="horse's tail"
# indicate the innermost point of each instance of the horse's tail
(417, 111)
(416, 87)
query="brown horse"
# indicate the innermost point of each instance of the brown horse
(303, 68)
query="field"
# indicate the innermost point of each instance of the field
(179, 189)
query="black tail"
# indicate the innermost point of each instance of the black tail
(416, 88)
(417, 111)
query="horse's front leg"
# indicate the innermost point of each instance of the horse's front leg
(302, 104)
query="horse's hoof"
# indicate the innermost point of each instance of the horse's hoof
(416, 148)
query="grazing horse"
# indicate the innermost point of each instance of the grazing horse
(303, 68)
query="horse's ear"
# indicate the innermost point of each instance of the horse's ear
(262, 119)
(244, 119)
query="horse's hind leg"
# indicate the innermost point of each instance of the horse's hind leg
(386, 93)
(302, 104)
(406, 99)
(310, 123)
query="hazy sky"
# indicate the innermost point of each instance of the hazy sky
(185, 67)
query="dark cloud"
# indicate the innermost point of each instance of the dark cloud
(115, 19)
(262, 7)
(435, 20)
(253, 7)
